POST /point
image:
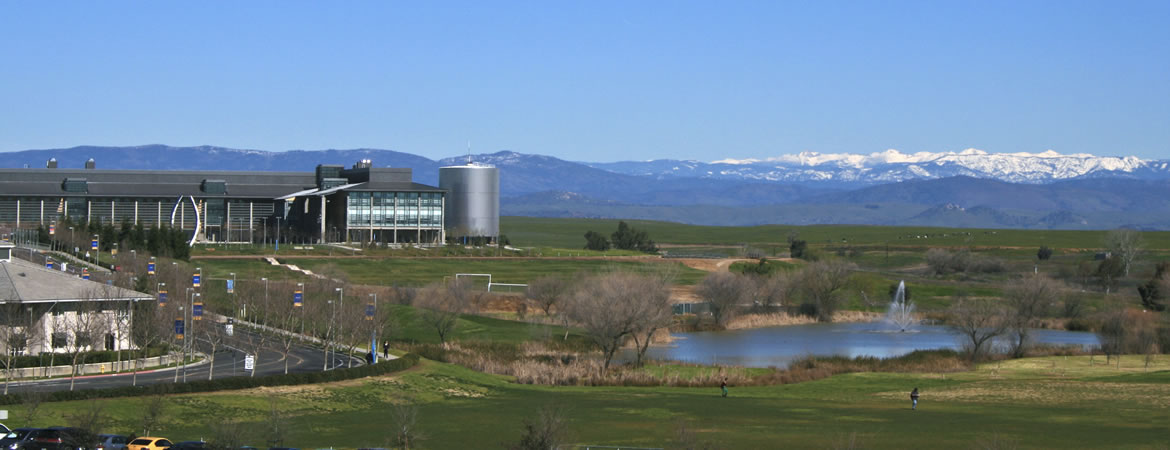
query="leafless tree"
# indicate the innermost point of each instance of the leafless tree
(1126, 244)
(213, 335)
(404, 418)
(150, 326)
(226, 435)
(354, 328)
(1114, 326)
(725, 292)
(153, 409)
(443, 303)
(85, 327)
(821, 284)
(653, 309)
(605, 307)
(1028, 300)
(548, 430)
(33, 400)
(16, 337)
(773, 291)
(276, 422)
(979, 322)
(547, 292)
(89, 419)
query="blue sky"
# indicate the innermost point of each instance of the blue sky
(591, 81)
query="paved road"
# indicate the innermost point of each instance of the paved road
(229, 362)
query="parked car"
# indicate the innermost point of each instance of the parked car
(14, 438)
(58, 438)
(111, 442)
(149, 443)
(190, 445)
(3, 429)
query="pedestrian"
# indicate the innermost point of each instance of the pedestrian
(723, 386)
(386, 349)
(914, 399)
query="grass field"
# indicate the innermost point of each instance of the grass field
(416, 272)
(1055, 402)
(567, 233)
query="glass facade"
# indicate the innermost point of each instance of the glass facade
(394, 210)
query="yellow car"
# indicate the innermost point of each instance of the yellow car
(149, 443)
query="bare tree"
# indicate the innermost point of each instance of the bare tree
(153, 409)
(87, 422)
(604, 306)
(354, 328)
(1115, 324)
(652, 308)
(547, 292)
(773, 291)
(16, 338)
(547, 431)
(725, 292)
(404, 418)
(213, 335)
(1126, 244)
(33, 400)
(1028, 299)
(821, 284)
(150, 326)
(443, 303)
(226, 435)
(85, 327)
(978, 321)
(276, 422)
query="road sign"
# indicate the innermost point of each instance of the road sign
(249, 362)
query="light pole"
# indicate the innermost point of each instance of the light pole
(301, 287)
(374, 329)
(74, 244)
(329, 332)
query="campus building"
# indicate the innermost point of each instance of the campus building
(330, 204)
(47, 310)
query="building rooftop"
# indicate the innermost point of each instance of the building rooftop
(25, 282)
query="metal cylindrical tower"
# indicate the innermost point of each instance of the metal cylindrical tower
(473, 200)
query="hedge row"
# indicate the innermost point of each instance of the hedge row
(405, 362)
(101, 356)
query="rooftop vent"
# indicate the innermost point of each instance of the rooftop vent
(90, 164)
(52, 164)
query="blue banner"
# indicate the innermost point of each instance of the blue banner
(93, 245)
(48, 264)
(179, 328)
(197, 311)
(231, 286)
(150, 269)
(52, 230)
(369, 311)
(195, 280)
(162, 298)
(298, 299)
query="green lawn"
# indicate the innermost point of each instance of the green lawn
(416, 272)
(555, 232)
(1055, 402)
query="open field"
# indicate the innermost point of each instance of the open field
(567, 233)
(1054, 402)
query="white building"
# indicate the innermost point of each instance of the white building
(46, 310)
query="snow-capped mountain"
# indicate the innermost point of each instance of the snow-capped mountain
(893, 165)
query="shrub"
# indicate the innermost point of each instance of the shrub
(405, 362)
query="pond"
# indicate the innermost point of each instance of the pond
(778, 346)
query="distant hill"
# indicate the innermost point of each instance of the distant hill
(1079, 192)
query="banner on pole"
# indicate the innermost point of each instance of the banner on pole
(231, 286)
(162, 298)
(93, 244)
(150, 268)
(179, 328)
(369, 311)
(197, 311)
(195, 280)
(298, 299)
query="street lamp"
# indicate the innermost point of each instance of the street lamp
(374, 329)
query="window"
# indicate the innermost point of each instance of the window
(60, 340)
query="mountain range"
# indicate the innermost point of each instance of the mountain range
(971, 188)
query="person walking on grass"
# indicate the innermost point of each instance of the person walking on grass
(914, 399)
(723, 386)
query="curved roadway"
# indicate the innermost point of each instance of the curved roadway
(229, 362)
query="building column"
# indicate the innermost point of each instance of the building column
(372, 195)
(113, 212)
(42, 211)
(18, 213)
(395, 222)
(251, 223)
(443, 219)
(88, 210)
(323, 240)
(418, 217)
(135, 212)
